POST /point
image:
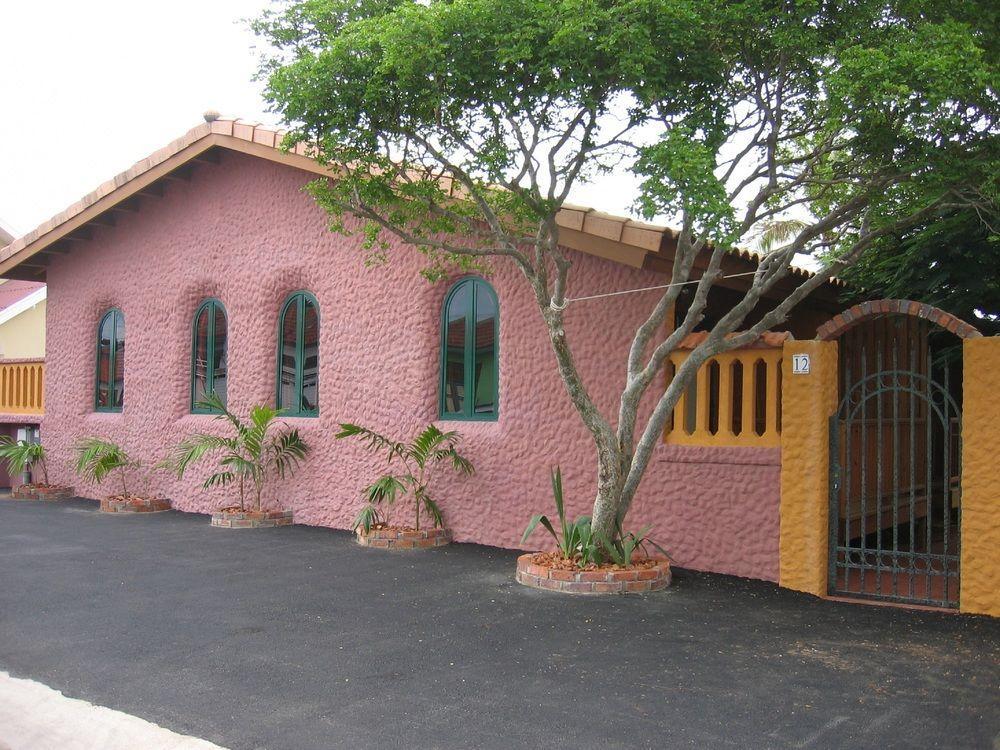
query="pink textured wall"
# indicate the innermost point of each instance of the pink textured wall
(244, 232)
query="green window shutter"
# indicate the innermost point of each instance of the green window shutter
(297, 384)
(470, 324)
(109, 393)
(209, 354)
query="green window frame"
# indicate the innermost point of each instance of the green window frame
(475, 365)
(109, 390)
(295, 374)
(213, 308)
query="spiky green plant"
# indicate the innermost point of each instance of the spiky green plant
(97, 458)
(247, 458)
(574, 540)
(20, 455)
(579, 541)
(419, 457)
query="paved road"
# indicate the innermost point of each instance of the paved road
(297, 638)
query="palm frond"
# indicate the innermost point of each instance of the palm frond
(20, 454)
(97, 458)
(425, 444)
(219, 479)
(193, 449)
(384, 490)
(374, 441)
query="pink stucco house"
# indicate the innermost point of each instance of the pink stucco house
(205, 265)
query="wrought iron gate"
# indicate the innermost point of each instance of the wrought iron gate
(895, 492)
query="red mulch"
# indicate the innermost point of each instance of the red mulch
(393, 527)
(131, 499)
(556, 561)
(43, 486)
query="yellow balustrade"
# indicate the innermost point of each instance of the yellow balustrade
(735, 400)
(22, 386)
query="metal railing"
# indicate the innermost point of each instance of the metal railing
(22, 386)
(735, 400)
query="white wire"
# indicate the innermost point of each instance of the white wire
(567, 300)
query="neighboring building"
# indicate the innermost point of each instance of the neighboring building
(22, 338)
(207, 266)
(22, 319)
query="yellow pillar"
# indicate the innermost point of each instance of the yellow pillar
(808, 401)
(980, 592)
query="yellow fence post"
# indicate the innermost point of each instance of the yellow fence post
(809, 398)
(980, 564)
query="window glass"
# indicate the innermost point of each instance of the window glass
(209, 354)
(110, 381)
(469, 368)
(310, 359)
(201, 355)
(220, 354)
(298, 356)
(454, 383)
(485, 364)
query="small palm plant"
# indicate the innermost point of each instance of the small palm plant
(96, 459)
(21, 455)
(249, 456)
(417, 459)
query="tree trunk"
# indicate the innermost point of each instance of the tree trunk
(609, 503)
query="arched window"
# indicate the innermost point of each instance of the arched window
(110, 391)
(298, 356)
(209, 354)
(470, 374)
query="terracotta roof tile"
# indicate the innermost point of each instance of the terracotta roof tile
(768, 340)
(617, 229)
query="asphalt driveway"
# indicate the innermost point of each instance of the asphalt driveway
(298, 638)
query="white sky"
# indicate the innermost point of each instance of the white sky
(89, 88)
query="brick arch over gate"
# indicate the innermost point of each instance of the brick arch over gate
(851, 317)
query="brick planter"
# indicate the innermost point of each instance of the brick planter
(134, 505)
(404, 539)
(592, 581)
(251, 519)
(33, 492)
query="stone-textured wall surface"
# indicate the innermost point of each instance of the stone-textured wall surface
(980, 590)
(243, 231)
(807, 403)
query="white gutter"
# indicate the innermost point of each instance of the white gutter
(23, 304)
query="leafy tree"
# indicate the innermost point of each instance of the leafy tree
(417, 460)
(461, 126)
(247, 458)
(951, 262)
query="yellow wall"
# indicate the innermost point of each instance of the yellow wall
(980, 592)
(808, 401)
(23, 336)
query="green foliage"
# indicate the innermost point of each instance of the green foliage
(460, 127)
(418, 458)
(572, 539)
(622, 547)
(580, 542)
(21, 455)
(96, 459)
(951, 262)
(258, 448)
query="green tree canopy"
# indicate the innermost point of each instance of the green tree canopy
(461, 126)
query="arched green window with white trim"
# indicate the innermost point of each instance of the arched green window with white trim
(209, 354)
(109, 393)
(470, 372)
(298, 356)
